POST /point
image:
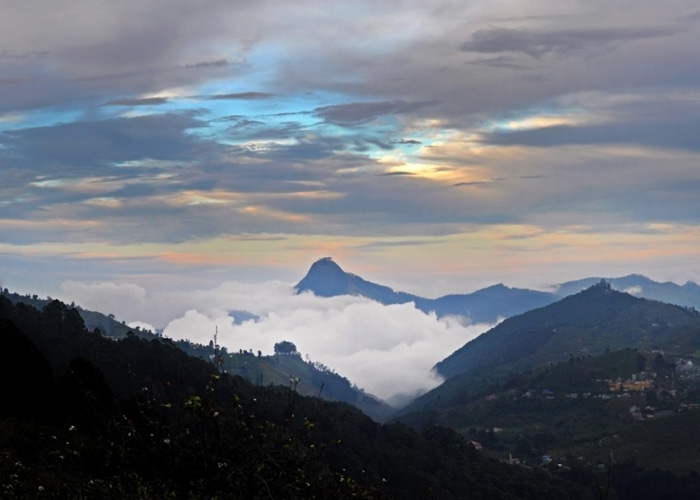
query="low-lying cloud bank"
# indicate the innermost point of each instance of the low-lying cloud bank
(387, 350)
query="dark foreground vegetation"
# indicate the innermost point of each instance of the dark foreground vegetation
(88, 417)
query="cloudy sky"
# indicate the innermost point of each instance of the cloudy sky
(151, 148)
(433, 146)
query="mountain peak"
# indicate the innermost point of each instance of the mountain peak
(325, 278)
(498, 287)
(326, 266)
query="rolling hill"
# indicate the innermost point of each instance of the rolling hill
(588, 322)
(314, 379)
(93, 417)
(582, 408)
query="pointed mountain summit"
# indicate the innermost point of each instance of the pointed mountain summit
(491, 304)
(327, 279)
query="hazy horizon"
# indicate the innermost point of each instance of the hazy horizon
(388, 350)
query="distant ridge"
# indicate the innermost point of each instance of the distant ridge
(687, 295)
(588, 322)
(326, 278)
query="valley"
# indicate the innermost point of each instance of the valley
(599, 383)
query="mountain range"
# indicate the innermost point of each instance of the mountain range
(545, 381)
(591, 322)
(326, 278)
(600, 374)
(90, 417)
(313, 378)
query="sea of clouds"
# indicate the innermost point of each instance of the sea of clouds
(389, 351)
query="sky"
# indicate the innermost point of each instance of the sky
(436, 147)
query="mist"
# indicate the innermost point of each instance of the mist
(388, 351)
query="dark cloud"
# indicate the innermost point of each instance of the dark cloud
(478, 183)
(256, 130)
(145, 101)
(681, 134)
(692, 17)
(358, 113)
(243, 96)
(392, 174)
(500, 62)
(32, 54)
(91, 144)
(244, 123)
(364, 144)
(14, 81)
(411, 142)
(217, 63)
(540, 43)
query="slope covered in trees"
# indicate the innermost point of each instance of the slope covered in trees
(589, 322)
(99, 418)
(314, 378)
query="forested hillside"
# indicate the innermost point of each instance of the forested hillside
(99, 418)
(589, 322)
(313, 378)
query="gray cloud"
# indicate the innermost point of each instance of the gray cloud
(501, 62)
(33, 54)
(244, 96)
(358, 113)
(395, 173)
(540, 43)
(216, 63)
(648, 121)
(144, 101)
(90, 144)
(477, 183)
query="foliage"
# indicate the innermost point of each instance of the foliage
(589, 322)
(285, 347)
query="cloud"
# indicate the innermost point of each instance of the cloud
(501, 62)
(92, 144)
(387, 350)
(634, 290)
(642, 128)
(358, 113)
(477, 183)
(395, 173)
(537, 44)
(109, 298)
(215, 63)
(412, 142)
(244, 96)
(144, 101)
(139, 325)
(33, 54)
